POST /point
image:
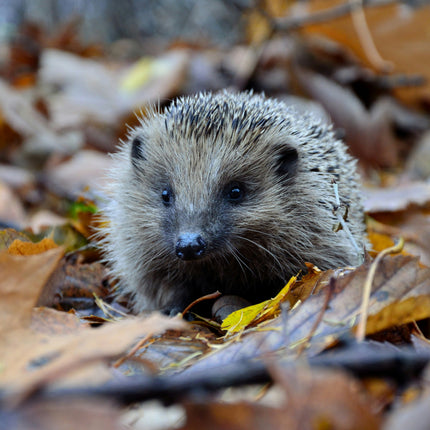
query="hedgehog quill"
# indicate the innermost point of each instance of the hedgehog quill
(228, 192)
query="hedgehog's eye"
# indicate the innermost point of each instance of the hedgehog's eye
(234, 192)
(167, 196)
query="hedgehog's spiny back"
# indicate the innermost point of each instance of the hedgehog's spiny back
(237, 116)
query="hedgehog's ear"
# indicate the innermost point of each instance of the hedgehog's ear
(287, 161)
(137, 150)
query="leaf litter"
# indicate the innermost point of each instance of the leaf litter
(63, 337)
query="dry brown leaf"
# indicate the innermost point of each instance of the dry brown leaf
(21, 282)
(11, 208)
(400, 35)
(238, 416)
(51, 322)
(86, 168)
(70, 414)
(32, 359)
(309, 284)
(397, 279)
(74, 285)
(368, 133)
(412, 225)
(309, 405)
(413, 306)
(174, 352)
(319, 398)
(396, 198)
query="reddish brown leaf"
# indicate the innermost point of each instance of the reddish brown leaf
(74, 285)
(237, 416)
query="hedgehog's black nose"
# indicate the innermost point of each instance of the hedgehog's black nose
(190, 246)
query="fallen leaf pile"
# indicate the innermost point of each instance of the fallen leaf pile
(346, 348)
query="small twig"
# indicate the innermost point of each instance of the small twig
(382, 362)
(201, 299)
(367, 288)
(365, 37)
(342, 221)
(133, 350)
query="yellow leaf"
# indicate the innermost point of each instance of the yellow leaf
(144, 71)
(399, 312)
(254, 314)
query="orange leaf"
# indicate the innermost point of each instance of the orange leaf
(18, 247)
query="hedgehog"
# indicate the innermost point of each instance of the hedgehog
(232, 192)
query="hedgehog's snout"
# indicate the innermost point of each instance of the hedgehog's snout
(190, 246)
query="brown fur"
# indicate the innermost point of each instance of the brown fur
(284, 218)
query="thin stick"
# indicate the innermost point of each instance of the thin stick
(200, 299)
(343, 223)
(130, 354)
(367, 288)
(294, 22)
(365, 37)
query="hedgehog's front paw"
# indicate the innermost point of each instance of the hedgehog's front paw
(171, 311)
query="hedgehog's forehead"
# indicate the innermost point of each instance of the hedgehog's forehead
(187, 154)
(214, 138)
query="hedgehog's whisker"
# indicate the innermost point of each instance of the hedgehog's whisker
(237, 256)
(285, 250)
(263, 248)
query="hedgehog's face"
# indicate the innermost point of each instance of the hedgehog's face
(198, 229)
(212, 201)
